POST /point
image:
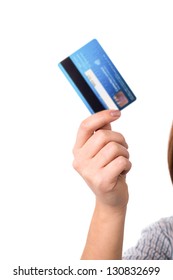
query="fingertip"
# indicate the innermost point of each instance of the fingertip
(115, 113)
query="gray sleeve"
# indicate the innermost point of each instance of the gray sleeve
(156, 242)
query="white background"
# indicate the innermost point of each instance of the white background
(45, 206)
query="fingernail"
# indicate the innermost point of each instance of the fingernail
(115, 113)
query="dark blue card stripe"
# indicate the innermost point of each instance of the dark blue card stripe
(82, 85)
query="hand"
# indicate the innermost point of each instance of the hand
(102, 159)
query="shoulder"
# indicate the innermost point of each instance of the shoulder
(163, 226)
(156, 242)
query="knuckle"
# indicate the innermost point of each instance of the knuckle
(75, 164)
(130, 165)
(101, 136)
(76, 152)
(113, 147)
(122, 161)
(79, 166)
(117, 134)
(125, 153)
(118, 150)
(121, 138)
(84, 125)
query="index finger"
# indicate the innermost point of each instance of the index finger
(93, 123)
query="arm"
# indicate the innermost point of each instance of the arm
(105, 236)
(102, 159)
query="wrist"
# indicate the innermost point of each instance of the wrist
(108, 211)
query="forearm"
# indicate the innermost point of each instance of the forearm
(105, 236)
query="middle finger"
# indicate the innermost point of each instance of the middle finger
(100, 139)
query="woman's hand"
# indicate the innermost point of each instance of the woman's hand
(102, 159)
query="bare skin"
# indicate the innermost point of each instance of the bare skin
(101, 157)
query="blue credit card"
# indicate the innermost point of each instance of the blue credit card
(96, 79)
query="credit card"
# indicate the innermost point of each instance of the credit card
(96, 79)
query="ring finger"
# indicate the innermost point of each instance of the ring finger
(108, 153)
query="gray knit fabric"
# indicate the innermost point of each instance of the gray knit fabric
(156, 242)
